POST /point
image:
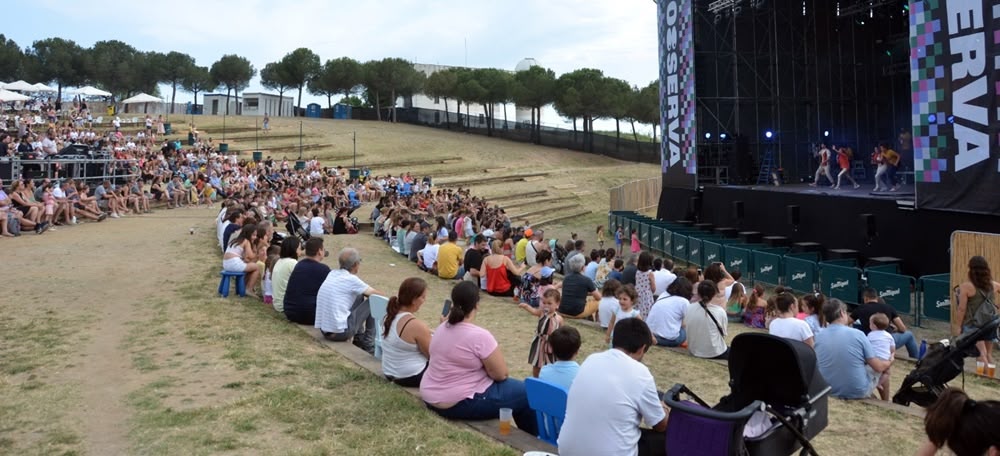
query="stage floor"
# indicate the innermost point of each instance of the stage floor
(905, 192)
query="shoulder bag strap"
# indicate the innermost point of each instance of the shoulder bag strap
(717, 325)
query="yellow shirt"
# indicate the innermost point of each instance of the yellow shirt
(520, 250)
(891, 156)
(449, 257)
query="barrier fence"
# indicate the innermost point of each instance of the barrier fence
(79, 169)
(637, 196)
(927, 297)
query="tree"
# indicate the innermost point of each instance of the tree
(176, 66)
(12, 60)
(646, 106)
(442, 84)
(115, 66)
(274, 77)
(534, 87)
(615, 99)
(496, 86)
(235, 73)
(586, 99)
(336, 77)
(300, 66)
(387, 78)
(59, 60)
(198, 79)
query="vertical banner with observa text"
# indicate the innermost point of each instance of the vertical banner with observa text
(678, 153)
(954, 62)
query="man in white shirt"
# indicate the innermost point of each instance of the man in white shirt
(429, 254)
(663, 275)
(603, 411)
(316, 224)
(342, 309)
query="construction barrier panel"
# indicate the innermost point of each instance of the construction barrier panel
(768, 265)
(840, 279)
(935, 296)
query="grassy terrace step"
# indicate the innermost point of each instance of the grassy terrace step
(431, 161)
(287, 148)
(527, 201)
(490, 180)
(545, 210)
(511, 196)
(561, 218)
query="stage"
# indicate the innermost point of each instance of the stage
(832, 218)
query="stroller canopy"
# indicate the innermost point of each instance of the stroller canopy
(757, 361)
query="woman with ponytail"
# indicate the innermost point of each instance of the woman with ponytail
(405, 338)
(467, 378)
(968, 427)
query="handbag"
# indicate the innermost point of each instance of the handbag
(985, 313)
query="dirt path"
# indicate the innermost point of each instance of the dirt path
(108, 271)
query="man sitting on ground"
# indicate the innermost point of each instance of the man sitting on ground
(419, 241)
(874, 305)
(580, 297)
(520, 249)
(428, 256)
(106, 198)
(342, 308)
(603, 411)
(845, 356)
(449, 258)
(304, 283)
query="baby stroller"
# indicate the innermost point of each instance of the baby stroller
(776, 391)
(295, 228)
(941, 364)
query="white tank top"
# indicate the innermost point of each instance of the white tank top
(400, 359)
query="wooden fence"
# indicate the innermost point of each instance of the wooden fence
(638, 195)
(965, 245)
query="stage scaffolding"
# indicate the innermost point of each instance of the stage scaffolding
(81, 170)
(803, 71)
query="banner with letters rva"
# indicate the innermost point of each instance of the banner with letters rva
(678, 153)
(954, 63)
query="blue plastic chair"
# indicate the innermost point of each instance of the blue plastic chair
(379, 306)
(241, 283)
(549, 403)
(407, 189)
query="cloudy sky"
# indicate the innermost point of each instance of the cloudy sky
(617, 37)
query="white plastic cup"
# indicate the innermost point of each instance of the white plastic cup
(980, 368)
(506, 419)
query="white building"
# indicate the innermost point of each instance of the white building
(524, 113)
(259, 103)
(214, 104)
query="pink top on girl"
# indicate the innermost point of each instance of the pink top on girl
(635, 243)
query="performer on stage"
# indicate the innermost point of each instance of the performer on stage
(891, 160)
(844, 155)
(824, 166)
(879, 160)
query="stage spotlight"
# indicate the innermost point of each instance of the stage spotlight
(723, 136)
(826, 133)
(768, 134)
(951, 119)
(708, 135)
(932, 118)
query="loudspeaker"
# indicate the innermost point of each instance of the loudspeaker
(738, 211)
(868, 225)
(794, 214)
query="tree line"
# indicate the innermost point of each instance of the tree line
(582, 95)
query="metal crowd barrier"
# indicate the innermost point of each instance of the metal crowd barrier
(87, 170)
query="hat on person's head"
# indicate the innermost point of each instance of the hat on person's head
(547, 271)
(488, 233)
(528, 232)
(424, 225)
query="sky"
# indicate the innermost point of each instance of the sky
(617, 37)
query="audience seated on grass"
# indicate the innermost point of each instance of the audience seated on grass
(964, 425)
(405, 338)
(609, 302)
(580, 296)
(449, 259)
(304, 283)
(786, 324)
(291, 249)
(536, 279)
(467, 378)
(705, 322)
(873, 305)
(241, 256)
(342, 308)
(666, 319)
(845, 356)
(603, 411)
(565, 344)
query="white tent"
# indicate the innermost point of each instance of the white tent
(7, 96)
(91, 91)
(142, 98)
(20, 86)
(44, 88)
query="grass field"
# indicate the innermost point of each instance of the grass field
(114, 342)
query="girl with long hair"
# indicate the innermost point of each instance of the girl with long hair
(980, 290)
(405, 338)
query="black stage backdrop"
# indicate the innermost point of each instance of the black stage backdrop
(955, 59)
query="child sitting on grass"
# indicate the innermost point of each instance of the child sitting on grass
(549, 320)
(627, 296)
(609, 303)
(272, 258)
(565, 343)
(884, 347)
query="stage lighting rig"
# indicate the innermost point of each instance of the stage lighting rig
(734, 7)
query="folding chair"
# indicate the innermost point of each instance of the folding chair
(549, 403)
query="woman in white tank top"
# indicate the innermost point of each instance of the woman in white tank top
(405, 338)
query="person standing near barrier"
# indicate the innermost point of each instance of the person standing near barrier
(873, 305)
(980, 290)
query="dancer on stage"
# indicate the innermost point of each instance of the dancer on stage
(844, 155)
(824, 166)
(888, 161)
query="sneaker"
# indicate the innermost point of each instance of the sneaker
(41, 228)
(100, 218)
(73, 221)
(856, 186)
(115, 215)
(812, 185)
(835, 188)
